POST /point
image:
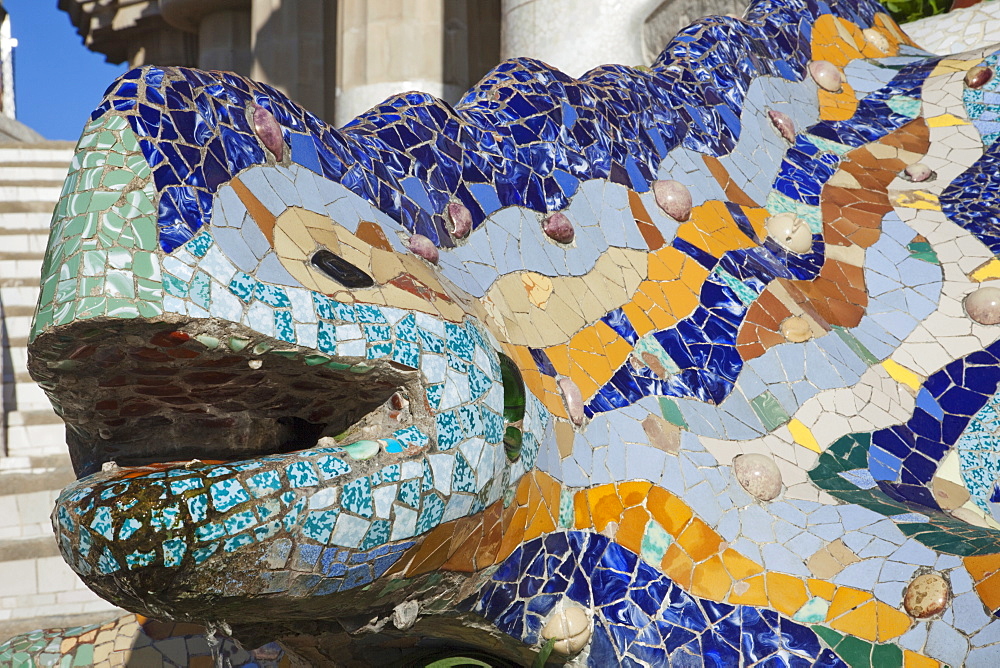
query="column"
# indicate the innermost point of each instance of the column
(387, 47)
(219, 31)
(575, 35)
(294, 50)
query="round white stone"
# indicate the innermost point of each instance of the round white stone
(796, 329)
(983, 305)
(570, 627)
(674, 198)
(826, 75)
(759, 475)
(790, 232)
(876, 39)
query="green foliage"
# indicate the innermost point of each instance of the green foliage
(544, 654)
(904, 11)
(458, 662)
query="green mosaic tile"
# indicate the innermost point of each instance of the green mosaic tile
(93, 159)
(99, 201)
(655, 541)
(769, 411)
(904, 105)
(145, 265)
(120, 284)
(108, 225)
(672, 413)
(922, 251)
(122, 308)
(859, 348)
(90, 286)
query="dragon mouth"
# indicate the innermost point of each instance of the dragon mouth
(169, 393)
(223, 444)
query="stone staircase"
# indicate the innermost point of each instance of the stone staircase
(37, 588)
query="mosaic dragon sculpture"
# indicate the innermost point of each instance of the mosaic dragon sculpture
(662, 366)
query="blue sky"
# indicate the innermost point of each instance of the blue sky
(57, 81)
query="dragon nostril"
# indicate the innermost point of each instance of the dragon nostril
(341, 270)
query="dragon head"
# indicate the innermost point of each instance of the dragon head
(270, 391)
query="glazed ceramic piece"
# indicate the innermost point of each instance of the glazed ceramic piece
(570, 627)
(796, 329)
(461, 219)
(269, 132)
(423, 247)
(877, 39)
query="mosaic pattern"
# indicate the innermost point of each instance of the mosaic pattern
(688, 365)
(135, 640)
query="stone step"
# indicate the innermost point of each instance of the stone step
(14, 310)
(17, 626)
(18, 296)
(28, 396)
(17, 326)
(34, 171)
(26, 222)
(19, 360)
(35, 153)
(32, 206)
(19, 273)
(32, 242)
(34, 464)
(35, 440)
(26, 418)
(31, 191)
(44, 592)
(18, 356)
(41, 475)
(26, 514)
(34, 257)
(28, 548)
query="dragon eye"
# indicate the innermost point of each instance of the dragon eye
(513, 405)
(341, 270)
